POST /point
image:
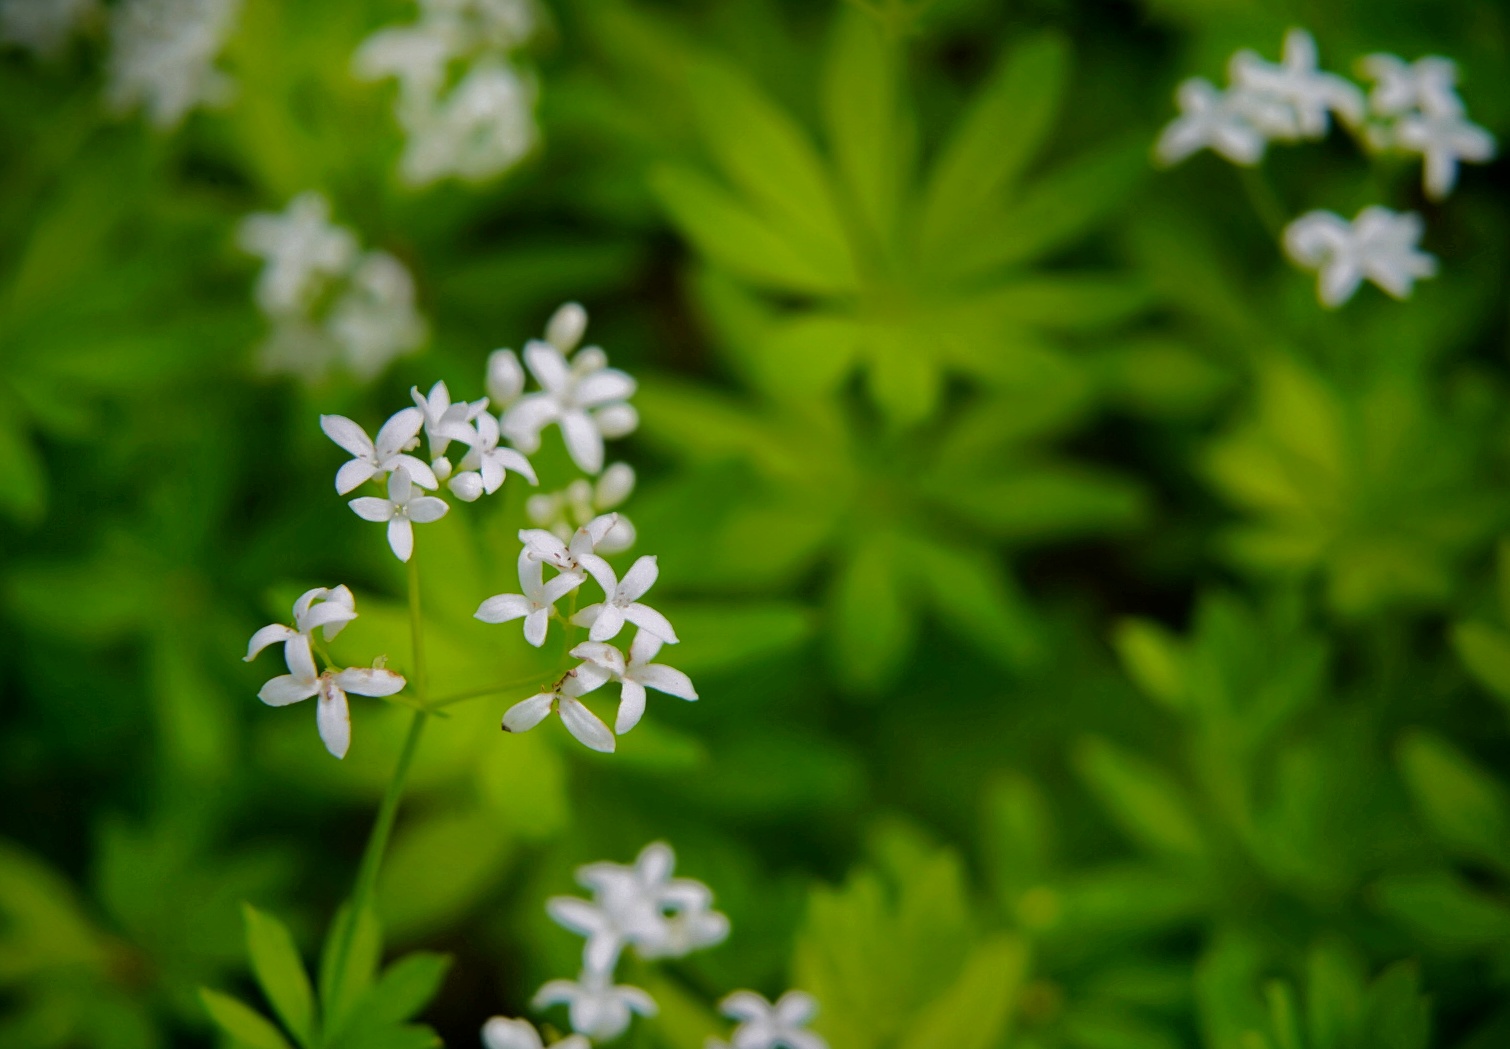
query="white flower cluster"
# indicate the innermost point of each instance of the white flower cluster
(43, 26)
(643, 908)
(472, 127)
(328, 301)
(327, 610)
(1412, 108)
(162, 56)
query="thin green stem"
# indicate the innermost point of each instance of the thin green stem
(1271, 210)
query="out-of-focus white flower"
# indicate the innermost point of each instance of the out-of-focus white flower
(402, 509)
(376, 319)
(1428, 84)
(501, 25)
(585, 397)
(598, 1008)
(579, 502)
(1211, 119)
(621, 602)
(636, 674)
(566, 327)
(1380, 245)
(162, 56)
(563, 699)
(500, 1032)
(1442, 141)
(415, 55)
(303, 250)
(483, 127)
(1307, 92)
(444, 421)
(505, 381)
(763, 1025)
(535, 605)
(43, 26)
(578, 555)
(1424, 115)
(486, 464)
(372, 459)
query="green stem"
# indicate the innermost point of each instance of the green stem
(1271, 210)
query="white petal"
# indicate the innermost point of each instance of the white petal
(535, 626)
(371, 508)
(528, 713)
(556, 992)
(745, 1005)
(502, 608)
(647, 618)
(285, 689)
(548, 366)
(348, 435)
(325, 614)
(400, 487)
(645, 647)
(426, 509)
(402, 427)
(500, 1032)
(665, 679)
(640, 578)
(505, 380)
(401, 538)
(604, 387)
(631, 707)
(268, 635)
(512, 460)
(583, 441)
(796, 1008)
(584, 678)
(566, 327)
(601, 572)
(353, 474)
(616, 420)
(577, 915)
(492, 472)
(419, 471)
(607, 624)
(334, 720)
(604, 655)
(466, 486)
(585, 725)
(616, 485)
(370, 681)
(300, 659)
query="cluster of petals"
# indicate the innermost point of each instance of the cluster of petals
(1379, 245)
(326, 610)
(163, 54)
(770, 1025)
(564, 511)
(1419, 111)
(404, 507)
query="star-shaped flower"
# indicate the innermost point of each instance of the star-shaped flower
(500, 1032)
(579, 721)
(535, 605)
(598, 1008)
(332, 715)
(1308, 92)
(621, 602)
(402, 509)
(376, 320)
(636, 675)
(485, 465)
(302, 249)
(764, 1025)
(398, 436)
(575, 556)
(330, 609)
(1443, 141)
(1429, 84)
(1379, 245)
(1211, 119)
(482, 128)
(444, 421)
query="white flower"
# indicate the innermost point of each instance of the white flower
(401, 510)
(1428, 84)
(416, 55)
(505, 381)
(330, 609)
(446, 422)
(1211, 119)
(579, 555)
(486, 464)
(566, 327)
(764, 1025)
(375, 320)
(303, 249)
(579, 502)
(1379, 245)
(598, 1008)
(1443, 141)
(331, 714)
(636, 675)
(585, 397)
(535, 605)
(373, 459)
(482, 128)
(579, 721)
(43, 26)
(500, 1032)
(621, 602)
(162, 56)
(1308, 93)
(497, 24)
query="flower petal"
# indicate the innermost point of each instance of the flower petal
(602, 654)
(665, 679)
(348, 435)
(268, 635)
(334, 720)
(536, 624)
(353, 474)
(548, 365)
(419, 471)
(583, 441)
(631, 706)
(577, 915)
(370, 681)
(640, 578)
(585, 725)
(500, 1032)
(400, 487)
(300, 660)
(401, 538)
(285, 689)
(503, 608)
(607, 624)
(647, 618)
(604, 387)
(645, 647)
(371, 508)
(402, 427)
(528, 713)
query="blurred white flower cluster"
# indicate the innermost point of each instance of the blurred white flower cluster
(465, 103)
(329, 302)
(641, 907)
(162, 57)
(43, 27)
(1412, 108)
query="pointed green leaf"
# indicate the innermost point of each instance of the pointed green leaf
(1442, 909)
(1466, 806)
(247, 1026)
(1398, 1014)
(974, 1011)
(903, 379)
(1334, 997)
(405, 988)
(862, 106)
(341, 986)
(971, 591)
(280, 972)
(874, 625)
(808, 355)
(1154, 658)
(1143, 800)
(1485, 650)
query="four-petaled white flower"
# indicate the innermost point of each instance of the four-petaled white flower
(579, 502)
(1306, 93)
(485, 465)
(484, 126)
(535, 605)
(579, 555)
(320, 608)
(636, 675)
(302, 248)
(500, 1032)
(579, 721)
(402, 509)
(1443, 140)
(598, 1008)
(621, 602)
(764, 1025)
(1211, 119)
(375, 458)
(1379, 245)
(444, 421)
(585, 397)
(162, 56)
(1428, 84)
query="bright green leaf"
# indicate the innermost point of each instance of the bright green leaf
(974, 1011)
(1145, 802)
(280, 972)
(248, 1027)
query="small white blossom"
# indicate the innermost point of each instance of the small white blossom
(43, 26)
(303, 250)
(636, 675)
(1211, 119)
(579, 721)
(485, 126)
(621, 602)
(162, 56)
(598, 1008)
(486, 464)
(579, 555)
(500, 25)
(320, 608)
(332, 715)
(371, 458)
(579, 502)
(535, 605)
(500, 1032)
(1308, 94)
(1429, 85)
(444, 421)
(763, 1025)
(1442, 141)
(566, 327)
(1379, 245)
(415, 55)
(505, 381)
(376, 320)
(402, 509)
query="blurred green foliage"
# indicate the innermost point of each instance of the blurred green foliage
(1101, 646)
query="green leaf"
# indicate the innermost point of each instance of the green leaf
(974, 1011)
(997, 139)
(1226, 984)
(341, 990)
(405, 988)
(974, 595)
(1069, 303)
(874, 624)
(1466, 806)
(280, 972)
(1398, 1015)
(1145, 803)
(248, 1027)
(862, 105)
(1334, 997)
(807, 355)
(1443, 910)
(1485, 650)
(1154, 659)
